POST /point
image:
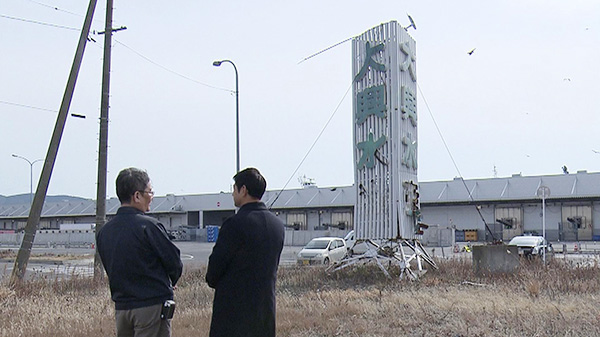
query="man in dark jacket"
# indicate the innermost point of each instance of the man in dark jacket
(243, 265)
(142, 264)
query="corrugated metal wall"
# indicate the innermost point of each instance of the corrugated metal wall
(383, 182)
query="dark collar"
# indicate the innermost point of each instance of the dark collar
(128, 210)
(253, 206)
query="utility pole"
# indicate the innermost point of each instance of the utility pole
(35, 211)
(103, 135)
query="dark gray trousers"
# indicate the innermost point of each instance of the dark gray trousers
(142, 322)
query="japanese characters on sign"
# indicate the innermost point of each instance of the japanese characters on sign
(409, 61)
(409, 105)
(385, 133)
(372, 102)
(369, 148)
(370, 62)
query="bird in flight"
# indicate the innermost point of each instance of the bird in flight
(472, 51)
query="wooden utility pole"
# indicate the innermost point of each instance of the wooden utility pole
(35, 212)
(103, 136)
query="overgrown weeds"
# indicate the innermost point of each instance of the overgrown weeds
(555, 300)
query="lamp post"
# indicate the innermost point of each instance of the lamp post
(237, 114)
(544, 192)
(30, 175)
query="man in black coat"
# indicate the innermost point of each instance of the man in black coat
(243, 265)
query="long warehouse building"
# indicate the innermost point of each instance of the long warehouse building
(484, 209)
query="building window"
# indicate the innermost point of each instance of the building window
(342, 220)
(296, 221)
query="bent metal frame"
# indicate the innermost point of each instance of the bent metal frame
(387, 213)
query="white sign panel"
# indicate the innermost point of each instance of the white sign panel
(385, 134)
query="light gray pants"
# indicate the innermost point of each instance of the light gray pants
(142, 322)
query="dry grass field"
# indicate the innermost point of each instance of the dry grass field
(561, 300)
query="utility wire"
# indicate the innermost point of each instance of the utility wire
(126, 46)
(171, 71)
(65, 11)
(38, 108)
(55, 8)
(312, 146)
(39, 22)
(27, 106)
(454, 162)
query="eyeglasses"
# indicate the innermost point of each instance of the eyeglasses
(150, 193)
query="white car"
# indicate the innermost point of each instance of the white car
(353, 247)
(323, 250)
(530, 245)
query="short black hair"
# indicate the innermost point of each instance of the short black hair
(254, 181)
(129, 181)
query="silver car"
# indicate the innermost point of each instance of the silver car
(323, 250)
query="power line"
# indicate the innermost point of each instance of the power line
(312, 146)
(172, 71)
(61, 10)
(39, 22)
(117, 41)
(27, 106)
(55, 8)
(124, 45)
(38, 108)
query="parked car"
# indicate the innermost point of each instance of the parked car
(323, 250)
(531, 245)
(354, 248)
(357, 248)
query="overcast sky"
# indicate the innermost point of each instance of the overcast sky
(526, 100)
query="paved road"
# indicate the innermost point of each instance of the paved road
(195, 254)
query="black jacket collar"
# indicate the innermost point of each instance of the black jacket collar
(129, 210)
(259, 205)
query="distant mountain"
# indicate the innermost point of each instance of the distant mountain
(25, 199)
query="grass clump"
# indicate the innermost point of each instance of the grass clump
(558, 300)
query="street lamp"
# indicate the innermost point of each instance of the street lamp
(30, 175)
(544, 192)
(237, 114)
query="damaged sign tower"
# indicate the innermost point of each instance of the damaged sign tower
(387, 212)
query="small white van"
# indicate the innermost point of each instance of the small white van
(323, 250)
